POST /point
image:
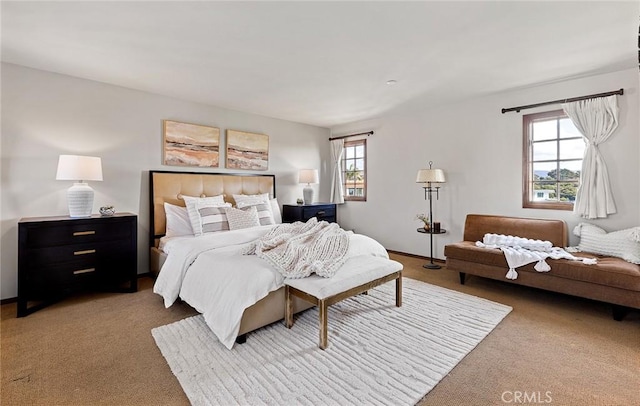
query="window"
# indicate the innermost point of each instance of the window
(553, 152)
(354, 170)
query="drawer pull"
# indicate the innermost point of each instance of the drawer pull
(84, 252)
(320, 213)
(83, 233)
(81, 271)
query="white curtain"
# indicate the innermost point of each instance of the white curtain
(337, 149)
(596, 119)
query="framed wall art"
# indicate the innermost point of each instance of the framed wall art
(191, 144)
(247, 150)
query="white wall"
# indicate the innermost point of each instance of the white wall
(480, 150)
(46, 114)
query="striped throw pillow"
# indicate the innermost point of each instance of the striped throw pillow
(213, 218)
(192, 210)
(264, 213)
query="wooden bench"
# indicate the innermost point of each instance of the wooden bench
(347, 282)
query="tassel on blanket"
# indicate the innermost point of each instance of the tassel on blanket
(512, 274)
(542, 266)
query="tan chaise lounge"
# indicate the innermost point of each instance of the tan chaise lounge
(612, 280)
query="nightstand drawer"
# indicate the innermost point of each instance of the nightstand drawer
(75, 253)
(77, 234)
(321, 213)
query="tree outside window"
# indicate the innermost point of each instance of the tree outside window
(553, 153)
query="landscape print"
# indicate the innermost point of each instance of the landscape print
(247, 150)
(191, 144)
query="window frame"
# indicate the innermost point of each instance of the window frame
(527, 161)
(343, 168)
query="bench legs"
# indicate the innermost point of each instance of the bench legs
(288, 307)
(323, 304)
(323, 309)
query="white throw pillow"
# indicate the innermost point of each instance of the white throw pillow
(623, 244)
(177, 221)
(194, 216)
(248, 200)
(212, 218)
(239, 218)
(275, 210)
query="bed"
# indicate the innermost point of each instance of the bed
(236, 293)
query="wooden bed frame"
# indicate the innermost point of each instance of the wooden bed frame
(170, 186)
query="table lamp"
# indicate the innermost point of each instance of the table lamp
(79, 169)
(308, 176)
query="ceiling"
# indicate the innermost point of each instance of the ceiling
(322, 63)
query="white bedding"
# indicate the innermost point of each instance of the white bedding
(211, 274)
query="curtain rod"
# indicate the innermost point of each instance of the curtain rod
(351, 135)
(591, 96)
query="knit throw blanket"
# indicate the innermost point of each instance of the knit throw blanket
(299, 249)
(520, 251)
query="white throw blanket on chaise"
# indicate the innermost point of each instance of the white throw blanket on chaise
(520, 251)
(297, 250)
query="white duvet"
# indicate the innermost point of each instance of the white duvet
(211, 274)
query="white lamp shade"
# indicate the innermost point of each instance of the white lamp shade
(430, 175)
(76, 167)
(308, 176)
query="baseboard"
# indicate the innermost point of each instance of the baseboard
(442, 261)
(9, 300)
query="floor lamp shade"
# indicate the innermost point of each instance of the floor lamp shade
(308, 176)
(79, 169)
(430, 175)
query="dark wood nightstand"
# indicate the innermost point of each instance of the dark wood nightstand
(303, 212)
(61, 255)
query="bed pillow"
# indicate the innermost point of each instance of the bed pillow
(264, 212)
(262, 203)
(248, 200)
(623, 244)
(177, 221)
(192, 211)
(275, 210)
(213, 218)
(242, 218)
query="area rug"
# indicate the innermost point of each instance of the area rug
(377, 354)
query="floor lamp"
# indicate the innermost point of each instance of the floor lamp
(429, 177)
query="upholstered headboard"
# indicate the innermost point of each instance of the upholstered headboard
(168, 186)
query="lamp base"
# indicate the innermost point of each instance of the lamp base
(307, 193)
(80, 200)
(431, 266)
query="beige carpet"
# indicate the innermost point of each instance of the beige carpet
(98, 349)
